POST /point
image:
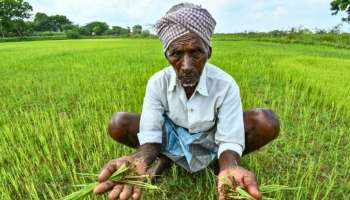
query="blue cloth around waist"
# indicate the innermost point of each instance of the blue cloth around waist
(192, 151)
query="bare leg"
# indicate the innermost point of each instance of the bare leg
(261, 126)
(124, 127)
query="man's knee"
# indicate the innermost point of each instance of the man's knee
(118, 125)
(261, 126)
(269, 124)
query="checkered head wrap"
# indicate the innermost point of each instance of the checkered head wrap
(182, 19)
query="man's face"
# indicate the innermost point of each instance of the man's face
(188, 55)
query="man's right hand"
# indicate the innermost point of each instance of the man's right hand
(121, 191)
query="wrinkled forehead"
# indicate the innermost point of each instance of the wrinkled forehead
(189, 39)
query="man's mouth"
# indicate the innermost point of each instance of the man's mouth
(188, 81)
(188, 77)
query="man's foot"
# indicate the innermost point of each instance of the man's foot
(162, 164)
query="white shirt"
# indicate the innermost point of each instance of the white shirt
(216, 101)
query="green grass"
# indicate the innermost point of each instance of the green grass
(56, 98)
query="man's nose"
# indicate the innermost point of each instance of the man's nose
(187, 65)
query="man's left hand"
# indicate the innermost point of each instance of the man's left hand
(241, 177)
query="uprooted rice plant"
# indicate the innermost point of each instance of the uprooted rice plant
(122, 175)
(56, 98)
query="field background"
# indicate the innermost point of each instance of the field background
(56, 98)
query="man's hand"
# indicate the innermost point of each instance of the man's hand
(141, 160)
(121, 191)
(238, 176)
(232, 175)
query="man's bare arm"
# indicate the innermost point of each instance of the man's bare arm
(148, 153)
(228, 159)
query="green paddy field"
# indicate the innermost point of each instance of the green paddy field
(56, 98)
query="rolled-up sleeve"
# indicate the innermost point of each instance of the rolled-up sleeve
(230, 127)
(152, 119)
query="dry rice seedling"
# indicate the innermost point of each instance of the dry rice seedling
(122, 175)
(239, 193)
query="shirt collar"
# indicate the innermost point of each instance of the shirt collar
(173, 80)
(202, 84)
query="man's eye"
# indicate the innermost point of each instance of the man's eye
(177, 54)
(196, 52)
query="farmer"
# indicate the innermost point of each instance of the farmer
(192, 113)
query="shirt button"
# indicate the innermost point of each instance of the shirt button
(191, 109)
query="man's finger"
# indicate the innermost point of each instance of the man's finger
(103, 187)
(251, 185)
(115, 192)
(223, 185)
(109, 169)
(136, 193)
(239, 182)
(254, 192)
(221, 196)
(221, 192)
(126, 193)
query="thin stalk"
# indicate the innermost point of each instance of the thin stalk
(240, 193)
(119, 176)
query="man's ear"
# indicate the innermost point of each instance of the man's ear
(209, 53)
(166, 56)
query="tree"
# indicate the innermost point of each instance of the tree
(11, 10)
(116, 30)
(127, 31)
(137, 29)
(336, 29)
(146, 33)
(19, 27)
(70, 27)
(119, 31)
(57, 21)
(28, 28)
(341, 5)
(83, 31)
(72, 31)
(96, 28)
(41, 22)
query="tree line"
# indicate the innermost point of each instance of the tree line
(14, 15)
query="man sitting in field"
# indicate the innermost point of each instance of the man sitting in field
(192, 113)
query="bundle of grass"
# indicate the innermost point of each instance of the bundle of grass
(122, 175)
(239, 193)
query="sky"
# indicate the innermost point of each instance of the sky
(231, 15)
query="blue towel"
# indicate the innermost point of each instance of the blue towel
(192, 151)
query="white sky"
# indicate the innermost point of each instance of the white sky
(230, 15)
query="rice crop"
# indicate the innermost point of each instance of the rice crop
(56, 98)
(239, 192)
(123, 176)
